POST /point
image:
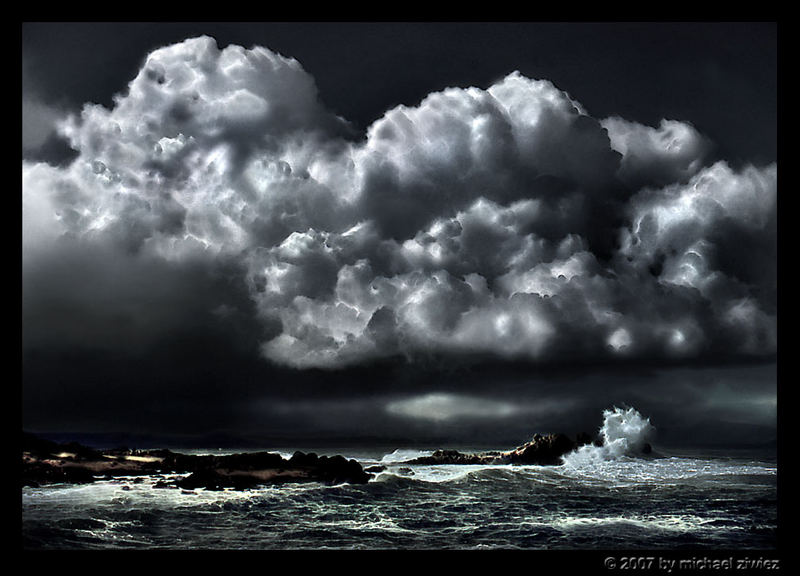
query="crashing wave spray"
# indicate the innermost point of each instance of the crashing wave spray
(625, 432)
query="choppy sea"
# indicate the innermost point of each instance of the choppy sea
(665, 501)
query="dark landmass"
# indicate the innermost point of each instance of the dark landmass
(545, 450)
(47, 462)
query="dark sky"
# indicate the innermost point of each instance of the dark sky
(412, 232)
(722, 77)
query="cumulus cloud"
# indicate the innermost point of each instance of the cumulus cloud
(500, 222)
(659, 156)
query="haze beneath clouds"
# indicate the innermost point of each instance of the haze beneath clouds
(496, 223)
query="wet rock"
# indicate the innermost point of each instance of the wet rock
(300, 468)
(46, 462)
(452, 457)
(40, 473)
(543, 450)
(302, 459)
(339, 470)
(208, 479)
(249, 461)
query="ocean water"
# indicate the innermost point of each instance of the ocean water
(600, 498)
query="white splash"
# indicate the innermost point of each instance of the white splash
(404, 455)
(625, 432)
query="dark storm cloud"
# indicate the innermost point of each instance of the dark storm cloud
(501, 222)
(126, 301)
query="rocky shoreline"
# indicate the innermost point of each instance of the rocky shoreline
(47, 462)
(543, 450)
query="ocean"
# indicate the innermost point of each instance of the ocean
(600, 498)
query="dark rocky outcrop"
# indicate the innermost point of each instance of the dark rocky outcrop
(46, 462)
(331, 469)
(455, 457)
(545, 450)
(243, 471)
(37, 473)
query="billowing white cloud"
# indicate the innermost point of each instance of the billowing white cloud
(672, 152)
(496, 222)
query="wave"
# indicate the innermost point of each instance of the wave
(404, 455)
(625, 432)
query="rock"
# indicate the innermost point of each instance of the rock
(339, 470)
(301, 459)
(208, 479)
(249, 461)
(375, 469)
(451, 457)
(252, 472)
(39, 473)
(543, 450)
(46, 462)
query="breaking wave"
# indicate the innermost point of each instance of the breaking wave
(404, 455)
(625, 432)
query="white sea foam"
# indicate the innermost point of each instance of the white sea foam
(681, 523)
(625, 432)
(447, 472)
(404, 455)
